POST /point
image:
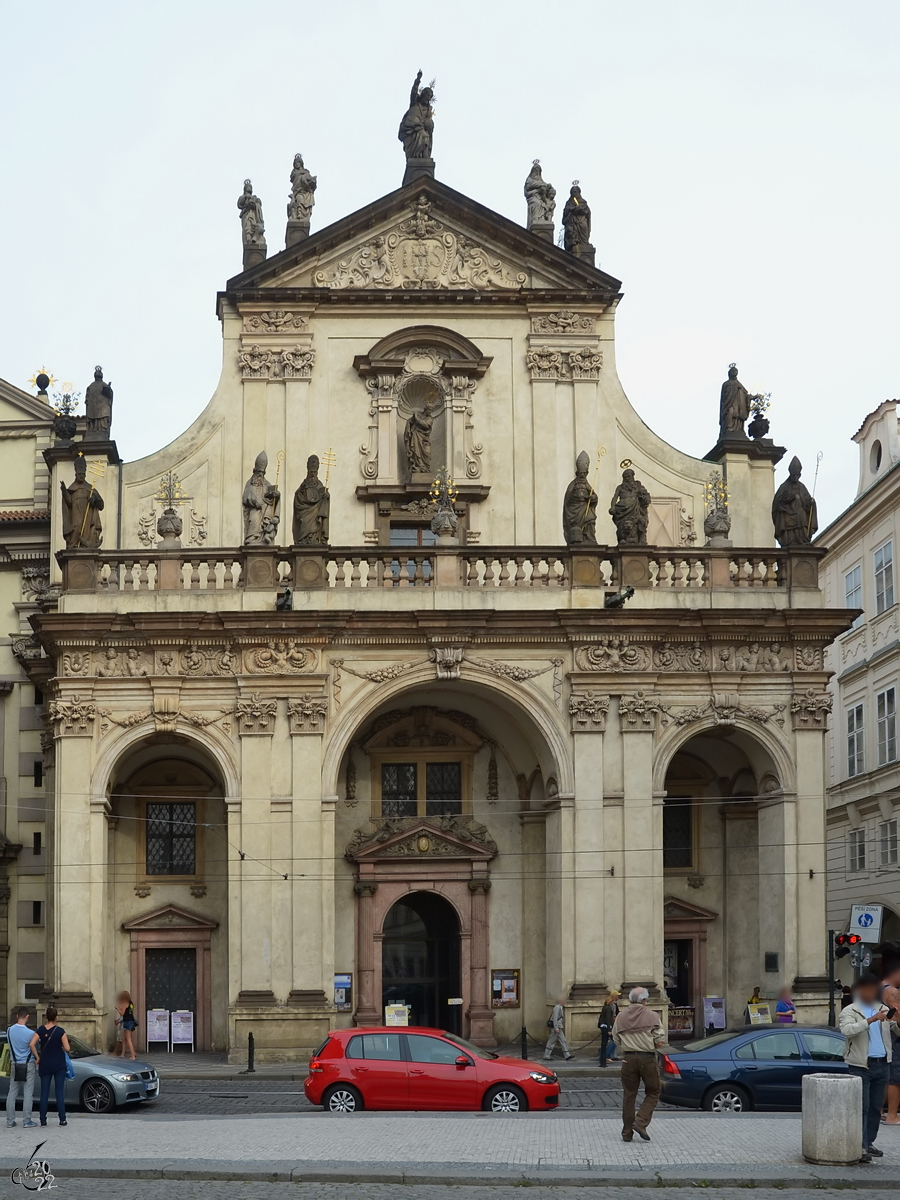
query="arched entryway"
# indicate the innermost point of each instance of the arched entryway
(420, 960)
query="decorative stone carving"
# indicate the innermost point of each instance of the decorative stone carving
(628, 509)
(295, 363)
(312, 508)
(794, 510)
(350, 780)
(576, 221)
(460, 828)
(165, 714)
(507, 670)
(198, 532)
(253, 229)
(292, 362)
(25, 648)
(725, 708)
(142, 892)
(256, 715)
(687, 534)
(585, 364)
(122, 662)
(98, 401)
(279, 658)
(579, 512)
(564, 321)
(261, 501)
(36, 585)
(421, 255)
(680, 656)
(640, 712)
(417, 127)
(198, 890)
(73, 717)
(81, 508)
(540, 196)
(588, 712)
(613, 653)
(810, 709)
(546, 363)
(76, 662)
(145, 529)
(447, 661)
(276, 320)
(417, 440)
(207, 660)
(379, 675)
(307, 715)
(754, 656)
(493, 783)
(300, 202)
(255, 363)
(809, 658)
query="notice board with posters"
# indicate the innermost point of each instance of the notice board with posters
(505, 988)
(681, 1021)
(158, 1025)
(343, 993)
(396, 1014)
(759, 1014)
(713, 1012)
(183, 1028)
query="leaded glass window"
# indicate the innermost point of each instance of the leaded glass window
(678, 833)
(171, 839)
(443, 788)
(398, 789)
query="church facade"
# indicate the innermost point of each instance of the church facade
(350, 707)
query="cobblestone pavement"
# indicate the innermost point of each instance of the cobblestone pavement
(169, 1189)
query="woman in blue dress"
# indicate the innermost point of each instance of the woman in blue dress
(50, 1045)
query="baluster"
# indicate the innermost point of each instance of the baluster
(520, 579)
(505, 580)
(742, 564)
(693, 576)
(771, 575)
(387, 571)
(418, 579)
(472, 576)
(339, 580)
(112, 581)
(354, 572)
(143, 581)
(563, 576)
(228, 577)
(127, 577)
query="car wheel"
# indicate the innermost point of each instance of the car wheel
(726, 1098)
(505, 1098)
(98, 1097)
(342, 1099)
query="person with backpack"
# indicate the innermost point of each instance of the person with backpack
(50, 1045)
(605, 1022)
(556, 1023)
(22, 1069)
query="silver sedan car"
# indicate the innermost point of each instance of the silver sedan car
(102, 1083)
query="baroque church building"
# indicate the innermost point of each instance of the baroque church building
(418, 669)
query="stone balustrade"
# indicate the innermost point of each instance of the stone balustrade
(315, 568)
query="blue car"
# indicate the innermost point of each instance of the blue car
(741, 1069)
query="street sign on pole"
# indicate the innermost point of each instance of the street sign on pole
(865, 919)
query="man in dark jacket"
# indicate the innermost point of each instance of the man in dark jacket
(605, 1022)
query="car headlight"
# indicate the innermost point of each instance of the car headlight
(541, 1077)
(127, 1078)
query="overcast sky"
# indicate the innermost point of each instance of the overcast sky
(740, 158)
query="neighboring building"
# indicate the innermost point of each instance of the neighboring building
(449, 771)
(859, 571)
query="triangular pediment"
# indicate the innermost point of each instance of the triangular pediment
(16, 405)
(425, 237)
(168, 917)
(675, 909)
(409, 838)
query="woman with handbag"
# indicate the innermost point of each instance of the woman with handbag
(50, 1046)
(125, 1011)
(21, 1070)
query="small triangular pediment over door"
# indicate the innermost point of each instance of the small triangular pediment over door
(682, 910)
(411, 839)
(168, 917)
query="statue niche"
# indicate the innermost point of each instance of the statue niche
(423, 397)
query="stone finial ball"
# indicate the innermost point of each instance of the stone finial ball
(43, 382)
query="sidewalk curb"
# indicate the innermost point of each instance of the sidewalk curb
(236, 1076)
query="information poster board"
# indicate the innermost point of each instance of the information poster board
(759, 1014)
(343, 993)
(158, 1025)
(681, 1021)
(396, 1014)
(713, 1012)
(505, 988)
(183, 1028)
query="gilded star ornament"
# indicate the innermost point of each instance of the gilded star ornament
(43, 371)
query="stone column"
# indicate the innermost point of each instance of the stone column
(545, 397)
(560, 896)
(257, 880)
(368, 1002)
(480, 1013)
(642, 832)
(806, 969)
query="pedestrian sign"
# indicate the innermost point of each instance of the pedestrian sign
(865, 919)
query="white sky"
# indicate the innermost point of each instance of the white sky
(740, 158)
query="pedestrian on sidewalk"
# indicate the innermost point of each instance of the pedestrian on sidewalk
(867, 1030)
(126, 1022)
(557, 1026)
(754, 999)
(890, 995)
(22, 1070)
(605, 1022)
(785, 1012)
(51, 1045)
(638, 1033)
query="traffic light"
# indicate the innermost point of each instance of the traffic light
(844, 943)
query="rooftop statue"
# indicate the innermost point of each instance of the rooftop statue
(540, 197)
(253, 229)
(794, 510)
(579, 515)
(630, 503)
(98, 398)
(82, 504)
(260, 500)
(576, 220)
(417, 126)
(300, 201)
(312, 505)
(734, 406)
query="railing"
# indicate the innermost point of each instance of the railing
(314, 567)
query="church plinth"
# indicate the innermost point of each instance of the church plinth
(418, 168)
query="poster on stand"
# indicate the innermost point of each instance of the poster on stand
(158, 1025)
(396, 1014)
(183, 1028)
(713, 1012)
(759, 1014)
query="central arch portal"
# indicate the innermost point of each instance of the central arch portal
(420, 960)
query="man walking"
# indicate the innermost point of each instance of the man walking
(638, 1033)
(867, 1029)
(22, 1062)
(557, 1025)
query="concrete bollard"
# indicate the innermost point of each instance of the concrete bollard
(832, 1119)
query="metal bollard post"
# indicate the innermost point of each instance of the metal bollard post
(251, 1053)
(524, 1042)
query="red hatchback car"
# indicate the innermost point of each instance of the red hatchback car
(417, 1068)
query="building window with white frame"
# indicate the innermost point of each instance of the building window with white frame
(884, 577)
(887, 843)
(853, 592)
(886, 719)
(856, 850)
(855, 737)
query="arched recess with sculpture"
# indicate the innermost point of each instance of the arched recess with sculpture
(443, 795)
(168, 895)
(724, 829)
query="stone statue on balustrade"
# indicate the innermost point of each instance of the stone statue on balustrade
(794, 510)
(630, 504)
(579, 514)
(262, 502)
(417, 440)
(540, 197)
(312, 507)
(81, 507)
(416, 132)
(253, 229)
(300, 202)
(576, 221)
(98, 400)
(734, 406)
